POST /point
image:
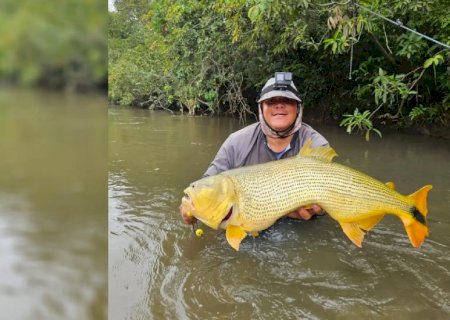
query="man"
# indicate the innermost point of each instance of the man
(280, 133)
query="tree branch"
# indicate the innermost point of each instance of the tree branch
(386, 54)
(399, 111)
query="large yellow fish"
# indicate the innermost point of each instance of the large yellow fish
(250, 199)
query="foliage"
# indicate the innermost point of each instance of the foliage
(338, 42)
(182, 59)
(359, 121)
(60, 44)
(388, 89)
(396, 81)
(214, 56)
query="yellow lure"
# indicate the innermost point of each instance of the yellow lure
(199, 232)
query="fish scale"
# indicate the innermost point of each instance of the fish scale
(266, 195)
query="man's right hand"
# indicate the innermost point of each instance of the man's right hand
(186, 216)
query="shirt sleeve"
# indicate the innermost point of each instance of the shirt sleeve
(223, 160)
(307, 132)
(318, 140)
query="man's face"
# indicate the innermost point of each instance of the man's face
(279, 112)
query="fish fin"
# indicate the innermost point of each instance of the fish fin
(254, 234)
(353, 232)
(416, 231)
(325, 153)
(419, 199)
(390, 185)
(367, 224)
(235, 235)
(416, 224)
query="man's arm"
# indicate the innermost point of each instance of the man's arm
(223, 160)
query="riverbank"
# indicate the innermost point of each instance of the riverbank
(436, 131)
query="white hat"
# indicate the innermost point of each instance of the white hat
(271, 90)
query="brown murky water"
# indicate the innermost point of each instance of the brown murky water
(53, 205)
(296, 269)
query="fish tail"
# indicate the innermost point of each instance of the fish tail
(416, 224)
(419, 199)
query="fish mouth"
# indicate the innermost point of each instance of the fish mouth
(187, 203)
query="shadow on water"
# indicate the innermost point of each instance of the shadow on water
(53, 205)
(158, 269)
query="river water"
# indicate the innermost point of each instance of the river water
(53, 205)
(158, 269)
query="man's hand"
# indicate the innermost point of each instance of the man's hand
(187, 218)
(306, 213)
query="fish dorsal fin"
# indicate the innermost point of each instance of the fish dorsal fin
(325, 153)
(390, 185)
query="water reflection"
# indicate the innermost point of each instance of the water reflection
(52, 205)
(295, 269)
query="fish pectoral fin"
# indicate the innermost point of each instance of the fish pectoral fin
(367, 224)
(416, 231)
(254, 234)
(235, 235)
(353, 232)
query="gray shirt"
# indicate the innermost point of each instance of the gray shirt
(248, 146)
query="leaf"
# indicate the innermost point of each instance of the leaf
(328, 42)
(428, 62)
(377, 132)
(336, 34)
(253, 13)
(437, 59)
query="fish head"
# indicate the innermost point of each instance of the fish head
(210, 199)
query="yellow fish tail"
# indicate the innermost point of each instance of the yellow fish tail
(416, 231)
(416, 225)
(419, 199)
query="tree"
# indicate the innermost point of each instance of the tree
(60, 45)
(213, 57)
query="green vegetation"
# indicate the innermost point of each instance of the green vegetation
(53, 44)
(361, 122)
(214, 56)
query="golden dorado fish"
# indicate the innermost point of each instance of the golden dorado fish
(250, 199)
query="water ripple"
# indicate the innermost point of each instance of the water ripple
(294, 270)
